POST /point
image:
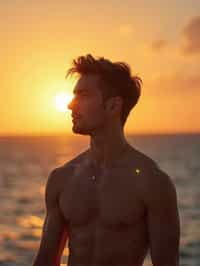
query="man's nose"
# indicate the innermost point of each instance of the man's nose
(70, 104)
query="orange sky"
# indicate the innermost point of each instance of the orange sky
(160, 41)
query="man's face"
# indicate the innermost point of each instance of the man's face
(88, 111)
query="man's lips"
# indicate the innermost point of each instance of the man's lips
(75, 117)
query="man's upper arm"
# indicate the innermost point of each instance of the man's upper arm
(54, 233)
(162, 220)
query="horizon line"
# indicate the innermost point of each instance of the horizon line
(73, 134)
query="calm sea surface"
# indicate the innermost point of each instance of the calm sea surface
(25, 163)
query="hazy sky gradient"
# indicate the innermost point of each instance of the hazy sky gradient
(160, 40)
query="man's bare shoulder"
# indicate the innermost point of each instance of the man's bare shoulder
(59, 175)
(149, 177)
(72, 164)
(141, 161)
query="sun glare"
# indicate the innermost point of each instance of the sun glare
(62, 100)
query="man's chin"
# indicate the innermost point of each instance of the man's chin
(80, 131)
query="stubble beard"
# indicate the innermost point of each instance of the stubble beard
(88, 130)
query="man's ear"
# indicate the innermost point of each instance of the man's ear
(115, 104)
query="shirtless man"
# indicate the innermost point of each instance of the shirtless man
(111, 203)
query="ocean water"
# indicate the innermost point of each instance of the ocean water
(25, 163)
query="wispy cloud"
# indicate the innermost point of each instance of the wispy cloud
(159, 45)
(191, 34)
(176, 82)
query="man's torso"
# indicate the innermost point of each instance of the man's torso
(106, 216)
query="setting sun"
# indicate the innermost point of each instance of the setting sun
(62, 100)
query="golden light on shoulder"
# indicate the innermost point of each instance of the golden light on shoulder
(137, 170)
(62, 99)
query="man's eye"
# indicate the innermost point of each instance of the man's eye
(80, 96)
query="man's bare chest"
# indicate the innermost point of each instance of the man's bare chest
(110, 197)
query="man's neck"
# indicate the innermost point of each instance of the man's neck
(106, 149)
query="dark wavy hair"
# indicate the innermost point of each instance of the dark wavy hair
(115, 79)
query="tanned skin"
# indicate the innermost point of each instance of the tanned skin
(113, 219)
